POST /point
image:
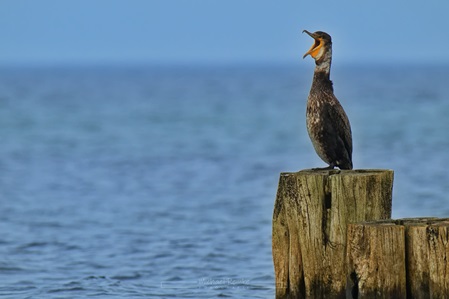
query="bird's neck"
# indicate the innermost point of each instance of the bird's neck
(321, 82)
(323, 64)
(321, 77)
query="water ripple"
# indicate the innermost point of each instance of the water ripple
(145, 183)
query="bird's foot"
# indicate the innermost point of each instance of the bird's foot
(330, 167)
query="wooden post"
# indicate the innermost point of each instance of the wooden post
(438, 238)
(417, 257)
(405, 258)
(427, 252)
(311, 214)
(376, 261)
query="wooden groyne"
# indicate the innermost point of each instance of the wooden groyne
(404, 258)
(333, 238)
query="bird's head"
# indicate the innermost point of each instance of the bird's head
(322, 45)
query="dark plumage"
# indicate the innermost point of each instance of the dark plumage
(327, 123)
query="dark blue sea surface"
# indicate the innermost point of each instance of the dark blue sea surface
(160, 181)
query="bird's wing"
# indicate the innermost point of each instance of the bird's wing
(343, 127)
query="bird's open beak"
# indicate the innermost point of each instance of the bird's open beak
(313, 51)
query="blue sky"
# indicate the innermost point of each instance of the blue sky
(220, 31)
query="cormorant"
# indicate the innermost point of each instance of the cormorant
(327, 123)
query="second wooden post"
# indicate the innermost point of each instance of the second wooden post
(311, 214)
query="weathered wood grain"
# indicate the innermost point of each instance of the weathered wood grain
(438, 242)
(376, 264)
(312, 211)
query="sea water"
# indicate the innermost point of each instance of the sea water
(140, 182)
